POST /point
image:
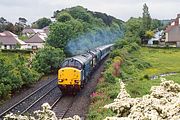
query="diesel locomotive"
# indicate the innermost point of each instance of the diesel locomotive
(75, 71)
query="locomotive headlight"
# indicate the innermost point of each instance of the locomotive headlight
(76, 81)
(60, 80)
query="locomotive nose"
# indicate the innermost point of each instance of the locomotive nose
(69, 76)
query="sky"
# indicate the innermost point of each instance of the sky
(32, 10)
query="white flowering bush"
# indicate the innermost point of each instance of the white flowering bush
(45, 114)
(163, 103)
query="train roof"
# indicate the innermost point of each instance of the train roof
(82, 58)
(95, 52)
(105, 46)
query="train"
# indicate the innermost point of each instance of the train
(75, 71)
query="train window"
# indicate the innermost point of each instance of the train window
(71, 62)
(65, 63)
(78, 64)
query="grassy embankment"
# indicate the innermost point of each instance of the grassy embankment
(162, 61)
(138, 81)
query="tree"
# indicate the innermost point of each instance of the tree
(18, 46)
(134, 25)
(48, 59)
(149, 34)
(156, 24)
(18, 28)
(146, 18)
(80, 13)
(22, 21)
(42, 22)
(1, 44)
(63, 17)
(3, 20)
(62, 32)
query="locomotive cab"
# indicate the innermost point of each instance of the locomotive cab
(69, 76)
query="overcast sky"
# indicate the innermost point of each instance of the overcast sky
(122, 9)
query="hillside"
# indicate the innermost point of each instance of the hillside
(90, 30)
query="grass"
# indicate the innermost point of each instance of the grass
(138, 83)
(162, 61)
(10, 56)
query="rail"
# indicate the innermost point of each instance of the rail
(21, 102)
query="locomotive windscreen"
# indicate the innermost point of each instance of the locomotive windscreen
(72, 63)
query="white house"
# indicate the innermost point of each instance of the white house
(8, 40)
(156, 38)
(173, 32)
(31, 32)
(36, 41)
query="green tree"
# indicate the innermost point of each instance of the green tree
(18, 46)
(146, 18)
(81, 13)
(28, 75)
(134, 25)
(41, 23)
(149, 34)
(61, 33)
(63, 17)
(156, 24)
(48, 59)
(18, 28)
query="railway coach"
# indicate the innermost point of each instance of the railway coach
(75, 71)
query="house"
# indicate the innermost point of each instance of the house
(36, 41)
(173, 32)
(31, 32)
(8, 40)
(156, 39)
(46, 29)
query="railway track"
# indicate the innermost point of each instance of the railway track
(60, 107)
(29, 101)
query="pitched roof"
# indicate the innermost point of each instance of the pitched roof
(46, 29)
(37, 38)
(169, 28)
(7, 34)
(8, 38)
(176, 23)
(32, 31)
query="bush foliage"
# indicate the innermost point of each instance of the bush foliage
(48, 59)
(15, 74)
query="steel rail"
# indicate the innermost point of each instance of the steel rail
(65, 111)
(33, 93)
(38, 100)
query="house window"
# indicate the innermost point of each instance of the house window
(34, 47)
(10, 46)
(5, 46)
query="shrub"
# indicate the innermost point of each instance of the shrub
(15, 74)
(48, 59)
(5, 90)
(109, 77)
(146, 76)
